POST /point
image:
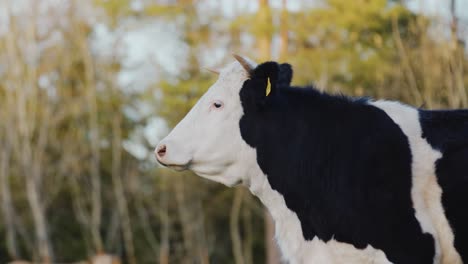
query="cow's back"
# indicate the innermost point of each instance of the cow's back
(447, 131)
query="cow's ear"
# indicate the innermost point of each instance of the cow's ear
(261, 84)
(253, 93)
(268, 73)
(285, 75)
(279, 76)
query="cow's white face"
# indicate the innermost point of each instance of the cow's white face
(208, 140)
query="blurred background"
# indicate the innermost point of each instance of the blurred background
(88, 87)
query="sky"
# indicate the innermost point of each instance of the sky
(439, 7)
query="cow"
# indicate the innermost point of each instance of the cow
(346, 180)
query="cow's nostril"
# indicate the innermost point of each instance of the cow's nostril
(161, 151)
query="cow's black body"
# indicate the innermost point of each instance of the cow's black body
(344, 166)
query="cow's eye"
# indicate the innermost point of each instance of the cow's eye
(217, 104)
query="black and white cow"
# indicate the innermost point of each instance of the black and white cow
(346, 180)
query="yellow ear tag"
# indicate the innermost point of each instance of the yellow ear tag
(268, 89)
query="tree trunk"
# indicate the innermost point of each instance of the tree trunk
(284, 38)
(7, 204)
(96, 205)
(265, 30)
(234, 227)
(32, 123)
(165, 222)
(457, 60)
(248, 230)
(119, 190)
(272, 252)
(89, 86)
(185, 218)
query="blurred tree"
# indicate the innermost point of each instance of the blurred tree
(284, 31)
(29, 137)
(344, 45)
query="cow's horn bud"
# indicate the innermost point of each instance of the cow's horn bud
(245, 64)
(212, 70)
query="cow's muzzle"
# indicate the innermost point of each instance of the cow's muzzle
(167, 156)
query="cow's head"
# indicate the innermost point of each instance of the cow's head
(208, 140)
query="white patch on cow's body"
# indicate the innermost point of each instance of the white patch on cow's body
(426, 193)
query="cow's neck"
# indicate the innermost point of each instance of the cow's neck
(288, 231)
